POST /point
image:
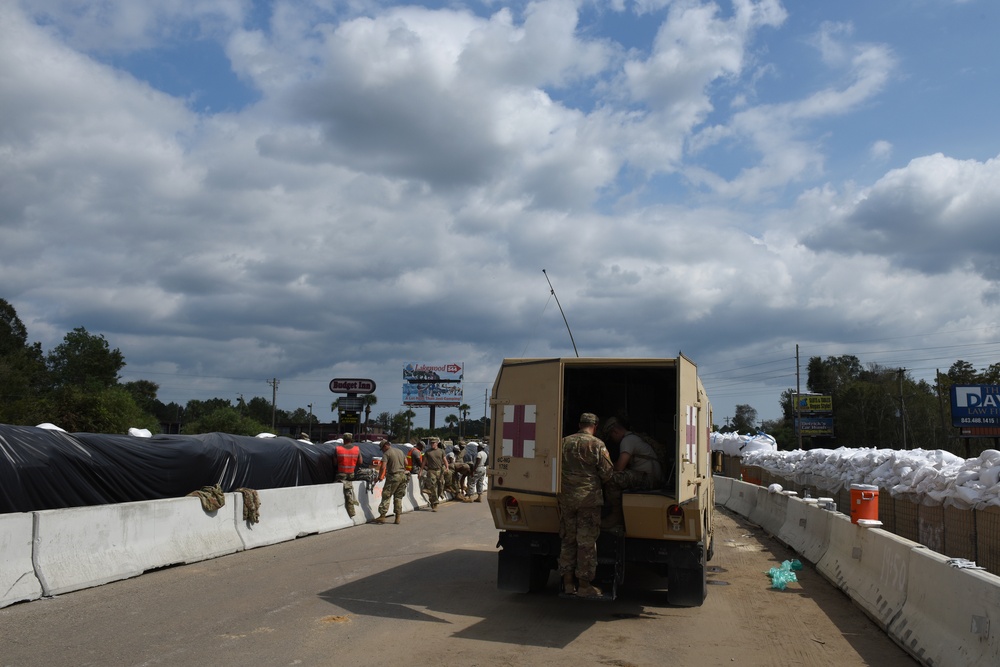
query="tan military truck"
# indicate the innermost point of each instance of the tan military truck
(536, 402)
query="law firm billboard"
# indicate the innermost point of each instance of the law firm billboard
(432, 384)
(975, 405)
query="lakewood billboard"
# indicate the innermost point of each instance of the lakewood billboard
(975, 405)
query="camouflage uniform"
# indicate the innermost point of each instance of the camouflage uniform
(434, 465)
(396, 479)
(586, 466)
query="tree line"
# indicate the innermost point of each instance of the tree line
(77, 386)
(878, 406)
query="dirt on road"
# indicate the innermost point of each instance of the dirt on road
(424, 593)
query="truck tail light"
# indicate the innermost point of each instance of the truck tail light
(675, 513)
(512, 508)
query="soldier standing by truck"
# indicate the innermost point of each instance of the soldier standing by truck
(586, 466)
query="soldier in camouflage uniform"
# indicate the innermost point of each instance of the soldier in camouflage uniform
(586, 466)
(393, 471)
(434, 466)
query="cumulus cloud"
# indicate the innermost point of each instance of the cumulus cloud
(406, 173)
(935, 215)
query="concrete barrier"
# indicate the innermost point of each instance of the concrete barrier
(288, 513)
(82, 547)
(806, 529)
(723, 489)
(870, 565)
(769, 510)
(950, 616)
(743, 498)
(17, 574)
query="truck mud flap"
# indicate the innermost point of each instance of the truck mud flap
(526, 560)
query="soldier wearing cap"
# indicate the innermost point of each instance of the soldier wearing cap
(478, 478)
(393, 471)
(434, 466)
(586, 466)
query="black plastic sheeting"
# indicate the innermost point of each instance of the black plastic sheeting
(47, 469)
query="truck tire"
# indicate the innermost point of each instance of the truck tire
(686, 587)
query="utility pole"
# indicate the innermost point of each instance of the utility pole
(902, 405)
(274, 382)
(798, 403)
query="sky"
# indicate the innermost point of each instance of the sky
(232, 192)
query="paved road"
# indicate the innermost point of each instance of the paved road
(424, 593)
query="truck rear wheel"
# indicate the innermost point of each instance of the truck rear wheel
(686, 587)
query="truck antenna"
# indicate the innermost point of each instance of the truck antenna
(553, 291)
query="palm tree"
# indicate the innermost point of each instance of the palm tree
(451, 420)
(464, 409)
(409, 415)
(369, 401)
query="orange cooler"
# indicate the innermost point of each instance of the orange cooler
(864, 502)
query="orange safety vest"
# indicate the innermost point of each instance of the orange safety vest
(413, 460)
(347, 459)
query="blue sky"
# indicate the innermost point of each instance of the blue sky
(236, 191)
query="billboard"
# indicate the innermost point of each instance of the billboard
(432, 393)
(417, 373)
(975, 405)
(810, 403)
(814, 425)
(433, 384)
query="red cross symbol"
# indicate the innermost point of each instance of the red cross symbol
(518, 431)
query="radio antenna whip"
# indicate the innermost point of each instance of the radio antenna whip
(553, 291)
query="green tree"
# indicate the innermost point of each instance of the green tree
(226, 419)
(962, 372)
(144, 394)
(463, 409)
(195, 410)
(745, 420)
(84, 360)
(108, 410)
(451, 421)
(23, 375)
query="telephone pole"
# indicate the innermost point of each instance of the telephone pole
(274, 382)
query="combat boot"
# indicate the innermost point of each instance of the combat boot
(479, 498)
(586, 590)
(380, 519)
(397, 519)
(568, 585)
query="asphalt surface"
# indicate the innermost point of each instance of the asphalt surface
(424, 593)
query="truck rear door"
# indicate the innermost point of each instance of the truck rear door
(690, 421)
(525, 427)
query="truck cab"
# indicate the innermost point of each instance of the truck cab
(536, 402)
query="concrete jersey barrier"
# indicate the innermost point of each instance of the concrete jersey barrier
(950, 618)
(81, 547)
(769, 510)
(17, 573)
(806, 529)
(723, 489)
(289, 513)
(743, 498)
(870, 565)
